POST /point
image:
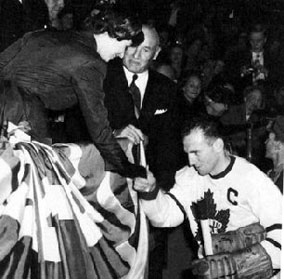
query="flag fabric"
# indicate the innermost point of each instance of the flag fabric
(62, 216)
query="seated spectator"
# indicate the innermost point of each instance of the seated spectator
(165, 44)
(217, 99)
(254, 65)
(192, 53)
(245, 126)
(240, 114)
(177, 60)
(276, 101)
(275, 151)
(189, 95)
(253, 100)
(239, 45)
(205, 53)
(208, 72)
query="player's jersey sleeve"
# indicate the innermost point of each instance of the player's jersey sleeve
(266, 203)
(167, 209)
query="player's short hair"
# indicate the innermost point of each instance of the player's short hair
(211, 128)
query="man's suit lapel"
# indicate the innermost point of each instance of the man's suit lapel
(149, 100)
(121, 77)
(121, 86)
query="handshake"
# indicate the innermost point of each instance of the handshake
(145, 185)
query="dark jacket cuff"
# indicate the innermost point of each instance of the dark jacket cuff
(149, 195)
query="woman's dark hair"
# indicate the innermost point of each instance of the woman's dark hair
(189, 74)
(218, 92)
(116, 23)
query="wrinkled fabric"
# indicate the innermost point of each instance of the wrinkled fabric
(55, 71)
(50, 230)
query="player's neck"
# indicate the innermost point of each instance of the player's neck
(223, 163)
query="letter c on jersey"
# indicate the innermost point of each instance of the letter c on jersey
(231, 196)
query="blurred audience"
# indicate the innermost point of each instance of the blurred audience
(246, 126)
(189, 97)
(253, 65)
(226, 61)
(275, 151)
(177, 59)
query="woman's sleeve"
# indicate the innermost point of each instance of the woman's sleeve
(10, 52)
(88, 82)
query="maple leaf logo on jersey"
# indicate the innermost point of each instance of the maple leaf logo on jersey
(206, 209)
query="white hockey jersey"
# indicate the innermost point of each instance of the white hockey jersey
(237, 197)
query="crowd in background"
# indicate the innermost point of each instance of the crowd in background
(206, 50)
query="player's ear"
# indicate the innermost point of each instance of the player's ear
(218, 145)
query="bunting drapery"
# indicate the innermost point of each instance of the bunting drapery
(62, 216)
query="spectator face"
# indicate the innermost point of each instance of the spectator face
(279, 96)
(67, 21)
(202, 152)
(176, 55)
(257, 41)
(138, 59)
(253, 100)
(214, 108)
(242, 40)
(219, 67)
(272, 147)
(164, 38)
(192, 88)
(194, 48)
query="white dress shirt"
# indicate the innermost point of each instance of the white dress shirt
(258, 56)
(141, 81)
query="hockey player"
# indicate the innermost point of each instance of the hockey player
(240, 203)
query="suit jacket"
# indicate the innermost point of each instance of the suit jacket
(238, 59)
(158, 118)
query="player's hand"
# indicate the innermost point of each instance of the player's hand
(145, 184)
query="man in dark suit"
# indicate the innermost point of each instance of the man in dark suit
(254, 65)
(156, 123)
(152, 120)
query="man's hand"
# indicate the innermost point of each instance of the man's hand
(263, 70)
(145, 185)
(131, 132)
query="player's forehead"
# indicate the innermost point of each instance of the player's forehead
(195, 140)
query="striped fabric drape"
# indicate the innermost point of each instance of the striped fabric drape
(62, 217)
